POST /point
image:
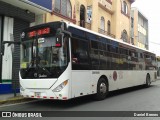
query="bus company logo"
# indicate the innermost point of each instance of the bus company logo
(42, 76)
(35, 74)
(114, 75)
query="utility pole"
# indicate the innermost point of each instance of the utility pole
(13, 72)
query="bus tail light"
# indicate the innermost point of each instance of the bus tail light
(60, 87)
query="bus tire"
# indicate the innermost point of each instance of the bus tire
(102, 89)
(148, 81)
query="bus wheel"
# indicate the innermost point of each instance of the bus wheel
(102, 89)
(148, 81)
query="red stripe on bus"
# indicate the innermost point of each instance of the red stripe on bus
(64, 98)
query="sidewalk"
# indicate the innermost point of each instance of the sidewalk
(8, 96)
(10, 99)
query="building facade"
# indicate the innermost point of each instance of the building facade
(139, 29)
(14, 17)
(109, 17)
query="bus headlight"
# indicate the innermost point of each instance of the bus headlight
(60, 87)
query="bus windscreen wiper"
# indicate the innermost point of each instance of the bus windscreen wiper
(44, 69)
(30, 66)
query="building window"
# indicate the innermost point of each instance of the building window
(63, 7)
(102, 23)
(82, 15)
(132, 41)
(80, 55)
(132, 22)
(124, 7)
(124, 36)
(109, 26)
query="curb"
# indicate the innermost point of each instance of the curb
(18, 99)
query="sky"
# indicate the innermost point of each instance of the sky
(151, 10)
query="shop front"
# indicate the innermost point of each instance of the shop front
(14, 17)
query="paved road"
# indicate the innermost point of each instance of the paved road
(133, 99)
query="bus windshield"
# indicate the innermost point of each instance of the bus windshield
(42, 58)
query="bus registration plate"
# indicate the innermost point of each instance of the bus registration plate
(37, 94)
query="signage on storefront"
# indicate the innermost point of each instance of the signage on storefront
(43, 3)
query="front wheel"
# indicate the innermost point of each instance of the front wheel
(102, 89)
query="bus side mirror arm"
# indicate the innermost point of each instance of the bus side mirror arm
(2, 50)
(67, 33)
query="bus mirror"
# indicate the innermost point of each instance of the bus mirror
(2, 49)
(59, 40)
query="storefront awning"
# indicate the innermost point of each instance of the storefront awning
(35, 6)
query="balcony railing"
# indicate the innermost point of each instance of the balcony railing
(106, 33)
(84, 24)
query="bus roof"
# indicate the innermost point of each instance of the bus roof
(95, 33)
(98, 34)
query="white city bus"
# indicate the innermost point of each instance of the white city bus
(61, 61)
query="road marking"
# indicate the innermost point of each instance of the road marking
(8, 105)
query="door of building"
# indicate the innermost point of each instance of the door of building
(7, 57)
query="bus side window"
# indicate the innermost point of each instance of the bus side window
(80, 57)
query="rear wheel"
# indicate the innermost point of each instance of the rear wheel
(102, 89)
(148, 81)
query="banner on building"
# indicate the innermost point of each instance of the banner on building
(89, 14)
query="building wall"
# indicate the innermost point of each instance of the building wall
(135, 13)
(95, 18)
(110, 9)
(107, 16)
(14, 17)
(58, 17)
(10, 31)
(140, 31)
(120, 20)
